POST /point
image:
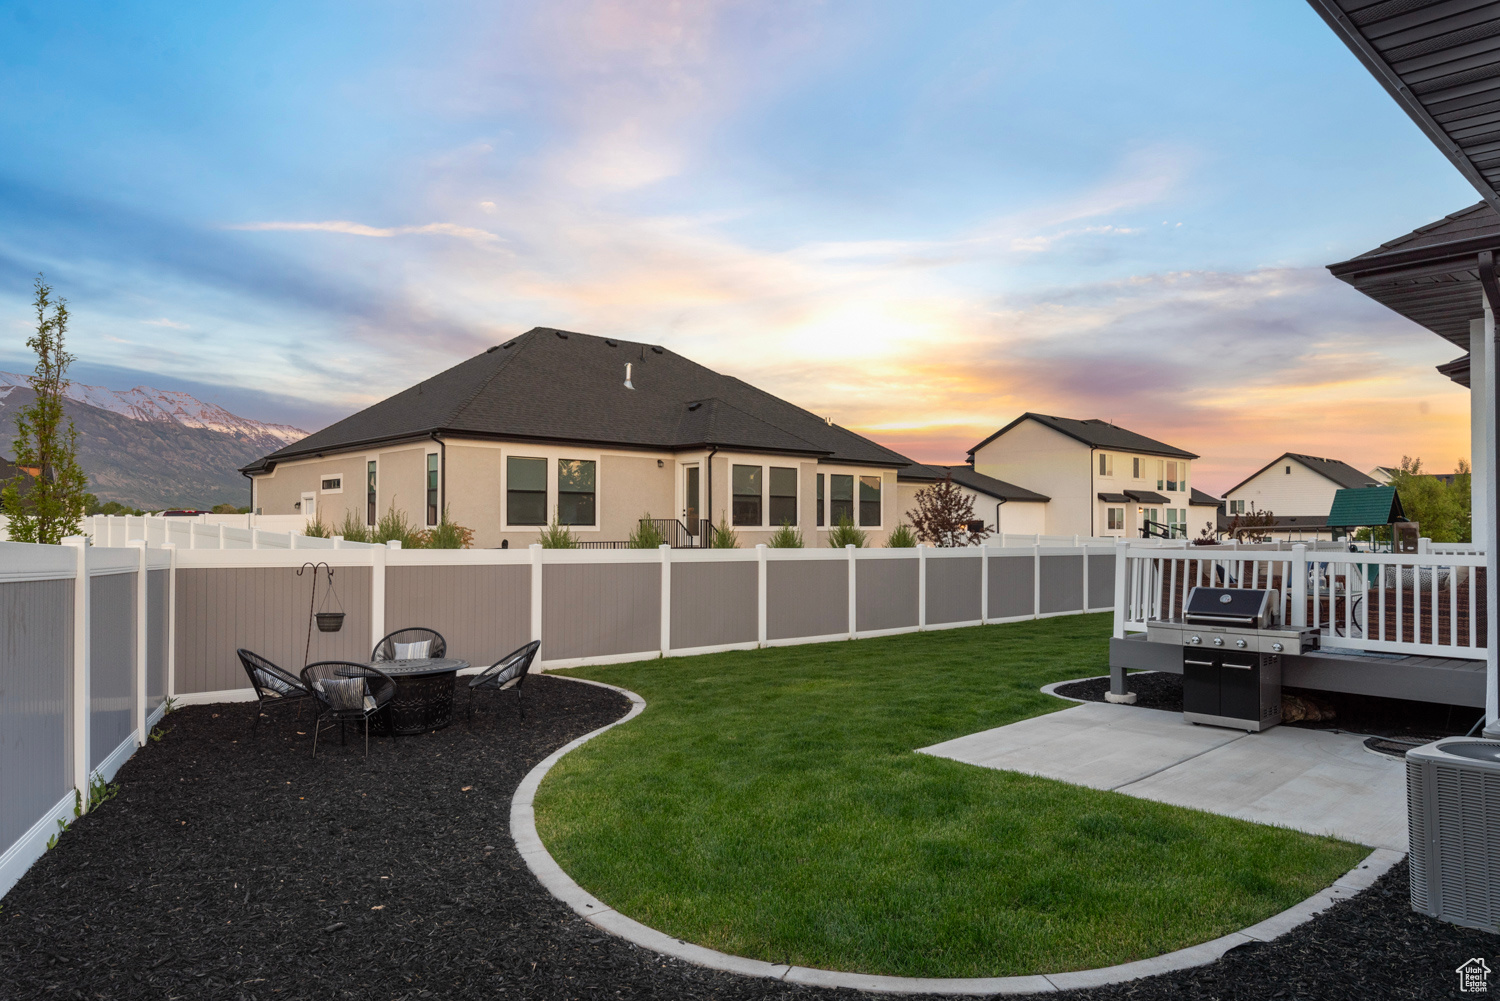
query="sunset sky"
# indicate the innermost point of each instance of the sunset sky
(918, 219)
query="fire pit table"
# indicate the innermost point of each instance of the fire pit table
(424, 693)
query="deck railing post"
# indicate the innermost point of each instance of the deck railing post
(1297, 586)
(1122, 590)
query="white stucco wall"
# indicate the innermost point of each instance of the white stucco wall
(1302, 492)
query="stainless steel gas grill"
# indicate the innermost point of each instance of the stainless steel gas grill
(1232, 645)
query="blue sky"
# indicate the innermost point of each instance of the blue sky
(920, 219)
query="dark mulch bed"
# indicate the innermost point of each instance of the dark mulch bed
(236, 867)
(1363, 714)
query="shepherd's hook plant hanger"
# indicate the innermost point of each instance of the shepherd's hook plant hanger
(328, 621)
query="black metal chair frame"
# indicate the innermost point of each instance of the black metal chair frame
(508, 672)
(380, 685)
(386, 648)
(267, 698)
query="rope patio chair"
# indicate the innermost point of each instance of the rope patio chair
(274, 687)
(347, 693)
(507, 672)
(410, 644)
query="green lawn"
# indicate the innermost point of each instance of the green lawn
(768, 803)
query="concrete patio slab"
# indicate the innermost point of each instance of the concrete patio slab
(1308, 780)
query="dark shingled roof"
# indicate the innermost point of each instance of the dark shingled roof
(1094, 433)
(1341, 473)
(1147, 497)
(551, 385)
(965, 476)
(1478, 221)
(1200, 498)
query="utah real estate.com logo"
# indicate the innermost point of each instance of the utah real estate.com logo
(1474, 977)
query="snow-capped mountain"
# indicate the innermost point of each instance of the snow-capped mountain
(164, 405)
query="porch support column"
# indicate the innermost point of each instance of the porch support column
(1481, 424)
(1491, 298)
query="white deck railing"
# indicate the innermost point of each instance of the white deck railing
(1430, 603)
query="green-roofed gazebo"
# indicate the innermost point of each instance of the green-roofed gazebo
(1365, 507)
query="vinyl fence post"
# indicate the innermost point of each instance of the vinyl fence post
(1036, 580)
(666, 599)
(377, 594)
(1122, 586)
(921, 586)
(853, 598)
(1299, 585)
(760, 595)
(169, 686)
(536, 591)
(79, 709)
(221, 536)
(984, 584)
(1085, 577)
(139, 682)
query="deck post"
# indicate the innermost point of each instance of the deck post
(1122, 548)
(1298, 584)
(1488, 520)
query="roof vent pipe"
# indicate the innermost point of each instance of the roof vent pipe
(627, 376)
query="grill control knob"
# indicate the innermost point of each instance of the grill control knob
(1218, 641)
(1240, 643)
(1195, 640)
(1276, 647)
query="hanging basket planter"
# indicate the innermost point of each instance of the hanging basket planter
(330, 622)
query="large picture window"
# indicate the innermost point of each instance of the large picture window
(869, 501)
(432, 488)
(820, 500)
(371, 514)
(575, 491)
(783, 495)
(747, 495)
(525, 490)
(840, 499)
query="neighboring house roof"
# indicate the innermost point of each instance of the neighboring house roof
(560, 386)
(1094, 433)
(965, 476)
(1199, 498)
(1340, 473)
(1300, 521)
(1358, 507)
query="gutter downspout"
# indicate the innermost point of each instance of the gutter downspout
(998, 505)
(1491, 286)
(252, 491)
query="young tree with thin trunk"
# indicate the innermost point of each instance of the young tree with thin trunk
(45, 500)
(943, 516)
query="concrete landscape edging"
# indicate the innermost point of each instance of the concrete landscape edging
(606, 918)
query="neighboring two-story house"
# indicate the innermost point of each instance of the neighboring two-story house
(594, 431)
(1298, 491)
(1102, 480)
(1003, 507)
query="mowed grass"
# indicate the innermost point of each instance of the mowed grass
(769, 804)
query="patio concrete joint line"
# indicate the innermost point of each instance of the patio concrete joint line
(606, 918)
(1174, 764)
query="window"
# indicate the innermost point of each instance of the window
(820, 500)
(1117, 517)
(869, 501)
(1289, 470)
(575, 491)
(840, 499)
(370, 513)
(333, 483)
(747, 496)
(1106, 464)
(1236, 507)
(432, 488)
(1172, 475)
(1172, 527)
(1161, 475)
(525, 491)
(1135, 468)
(783, 495)
(1182, 476)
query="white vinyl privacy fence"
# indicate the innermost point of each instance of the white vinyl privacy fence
(95, 637)
(85, 636)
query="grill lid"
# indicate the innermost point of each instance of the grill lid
(1238, 606)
